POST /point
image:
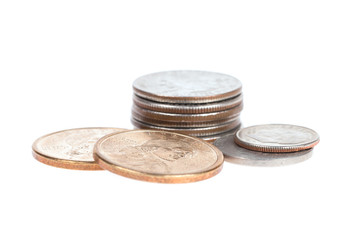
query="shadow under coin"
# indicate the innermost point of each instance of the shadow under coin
(238, 155)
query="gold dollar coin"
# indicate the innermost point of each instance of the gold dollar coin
(71, 149)
(158, 156)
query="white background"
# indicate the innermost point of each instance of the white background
(68, 64)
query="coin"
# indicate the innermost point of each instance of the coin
(187, 87)
(158, 156)
(71, 149)
(160, 123)
(196, 132)
(188, 108)
(238, 155)
(213, 138)
(277, 138)
(189, 118)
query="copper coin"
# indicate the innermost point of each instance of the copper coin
(188, 118)
(71, 149)
(196, 132)
(238, 155)
(160, 123)
(158, 156)
(187, 87)
(277, 138)
(188, 108)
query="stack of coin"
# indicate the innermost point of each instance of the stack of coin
(200, 104)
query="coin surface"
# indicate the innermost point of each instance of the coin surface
(71, 149)
(188, 108)
(195, 132)
(187, 87)
(238, 155)
(189, 118)
(277, 138)
(158, 156)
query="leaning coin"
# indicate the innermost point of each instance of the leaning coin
(187, 87)
(188, 108)
(158, 156)
(277, 138)
(174, 117)
(195, 132)
(238, 155)
(71, 149)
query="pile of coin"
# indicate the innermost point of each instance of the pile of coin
(196, 103)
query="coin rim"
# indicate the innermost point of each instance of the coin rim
(66, 163)
(159, 178)
(188, 108)
(275, 149)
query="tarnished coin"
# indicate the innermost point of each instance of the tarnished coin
(158, 156)
(189, 118)
(179, 124)
(71, 149)
(187, 87)
(195, 132)
(277, 138)
(213, 138)
(238, 155)
(188, 108)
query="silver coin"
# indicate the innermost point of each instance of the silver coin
(175, 117)
(195, 132)
(180, 124)
(215, 137)
(187, 87)
(277, 138)
(238, 155)
(188, 108)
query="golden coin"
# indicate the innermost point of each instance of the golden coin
(195, 132)
(174, 117)
(158, 156)
(71, 149)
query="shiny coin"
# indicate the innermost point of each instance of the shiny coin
(188, 118)
(238, 155)
(188, 108)
(187, 87)
(196, 132)
(160, 123)
(277, 138)
(158, 156)
(71, 149)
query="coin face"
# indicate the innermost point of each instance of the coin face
(188, 108)
(71, 149)
(238, 155)
(277, 138)
(158, 156)
(187, 87)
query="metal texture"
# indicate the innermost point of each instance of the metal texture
(195, 132)
(277, 138)
(70, 149)
(188, 108)
(158, 156)
(238, 155)
(188, 118)
(187, 87)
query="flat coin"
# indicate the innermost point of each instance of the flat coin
(187, 87)
(195, 132)
(188, 118)
(188, 108)
(160, 123)
(71, 149)
(277, 138)
(158, 156)
(238, 155)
